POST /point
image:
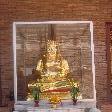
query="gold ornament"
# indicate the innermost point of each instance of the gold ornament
(53, 70)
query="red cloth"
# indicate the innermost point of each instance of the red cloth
(59, 90)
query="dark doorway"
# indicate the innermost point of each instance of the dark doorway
(109, 57)
(0, 80)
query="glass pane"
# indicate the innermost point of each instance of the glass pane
(72, 43)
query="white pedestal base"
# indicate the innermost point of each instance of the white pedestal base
(66, 106)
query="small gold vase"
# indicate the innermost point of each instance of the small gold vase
(54, 100)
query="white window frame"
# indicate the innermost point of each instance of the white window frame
(52, 22)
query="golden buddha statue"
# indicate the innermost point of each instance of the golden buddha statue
(52, 70)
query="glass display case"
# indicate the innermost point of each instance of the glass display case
(52, 52)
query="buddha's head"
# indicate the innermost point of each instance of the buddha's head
(51, 48)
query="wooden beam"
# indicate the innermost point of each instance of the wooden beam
(52, 33)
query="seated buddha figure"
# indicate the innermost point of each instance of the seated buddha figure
(53, 70)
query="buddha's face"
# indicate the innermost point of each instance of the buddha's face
(51, 49)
